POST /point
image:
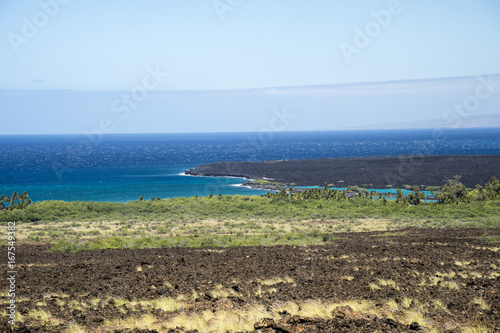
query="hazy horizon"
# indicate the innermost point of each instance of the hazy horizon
(302, 108)
(245, 66)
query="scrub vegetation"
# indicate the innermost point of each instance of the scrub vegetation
(310, 217)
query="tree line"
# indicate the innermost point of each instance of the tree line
(16, 201)
(452, 192)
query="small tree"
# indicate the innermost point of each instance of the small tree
(400, 198)
(453, 192)
(492, 189)
(416, 197)
(16, 201)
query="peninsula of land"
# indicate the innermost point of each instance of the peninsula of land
(377, 172)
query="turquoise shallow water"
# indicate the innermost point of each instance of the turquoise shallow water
(393, 191)
(123, 167)
(122, 184)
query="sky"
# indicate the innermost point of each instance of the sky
(69, 66)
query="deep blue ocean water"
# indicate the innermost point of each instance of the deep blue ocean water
(123, 167)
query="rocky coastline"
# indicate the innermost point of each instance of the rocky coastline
(379, 172)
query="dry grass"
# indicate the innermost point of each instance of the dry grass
(55, 295)
(439, 279)
(310, 308)
(236, 319)
(462, 263)
(167, 304)
(89, 230)
(75, 328)
(43, 317)
(18, 300)
(313, 308)
(143, 322)
(451, 285)
(406, 302)
(221, 292)
(386, 283)
(195, 295)
(290, 307)
(438, 304)
(276, 280)
(392, 305)
(449, 275)
(20, 317)
(481, 303)
(76, 305)
(220, 321)
(414, 316)
(476, 329)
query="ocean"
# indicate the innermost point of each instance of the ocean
(123, 167)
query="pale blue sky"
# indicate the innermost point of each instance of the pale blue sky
(106, 45)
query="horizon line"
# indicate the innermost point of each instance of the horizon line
(254, 132)
(344, 84)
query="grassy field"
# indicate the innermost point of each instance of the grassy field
(230, 221)
(217, 225)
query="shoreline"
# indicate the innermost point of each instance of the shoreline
(389, 193)
(377, 172)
